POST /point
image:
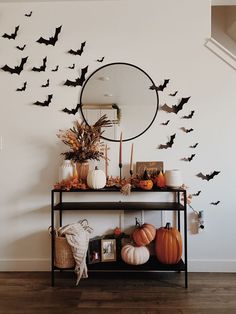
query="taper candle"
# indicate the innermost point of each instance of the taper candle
(120, 153)
(131, 158)
(106, 162)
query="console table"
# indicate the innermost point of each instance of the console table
(152, 264)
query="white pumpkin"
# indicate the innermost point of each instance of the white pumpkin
(96, 179)
(135, 255)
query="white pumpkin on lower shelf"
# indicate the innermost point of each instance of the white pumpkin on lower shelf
(135, 255)
(96, 179)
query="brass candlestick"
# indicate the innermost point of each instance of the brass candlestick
(120, 166)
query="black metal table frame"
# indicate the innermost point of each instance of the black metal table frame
(162, 206)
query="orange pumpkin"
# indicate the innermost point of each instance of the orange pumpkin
(146, 184)
(143, 234)
(168, 245)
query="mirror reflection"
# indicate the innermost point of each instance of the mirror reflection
(122, 92)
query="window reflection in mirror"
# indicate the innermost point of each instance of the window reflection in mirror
(122, 92)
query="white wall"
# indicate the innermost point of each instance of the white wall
(164, 38)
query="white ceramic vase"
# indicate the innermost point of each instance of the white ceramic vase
(173, 178)
(66, 170)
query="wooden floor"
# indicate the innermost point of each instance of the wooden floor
(163, 293)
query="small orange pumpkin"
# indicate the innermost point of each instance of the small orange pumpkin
(145, 183)
(143, 234)
(168, 245)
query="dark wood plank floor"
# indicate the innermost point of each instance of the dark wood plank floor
(162, 293)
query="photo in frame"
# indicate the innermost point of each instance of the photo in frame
(94, 250)
(108, 250)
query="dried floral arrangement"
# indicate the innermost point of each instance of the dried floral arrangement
(84, 140)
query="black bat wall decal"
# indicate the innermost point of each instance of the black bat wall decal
(17, 69)
(13, 35)
(42, 68)
(79, 81)
(168, 144)
(197, 194)
(22, 88)
(29, 14)
(21, 48)
(44, 103)
(173, 94)
(188, 158)
(165, 123)
(189, 116)
(215, 203)
(79, 51)
(72, 67)
(208, 176)
(56, 68)
(194, 146)
(46, 85)
(175, 108)
(187, 130)
(72, 111)
(160, 87)
(100, 60)
(52, 40)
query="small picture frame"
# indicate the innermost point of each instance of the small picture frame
(152, 167)
(94, 251)
(108, 250)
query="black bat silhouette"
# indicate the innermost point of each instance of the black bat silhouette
(72, 67)
(193, 146)
(46, 85)
(165, 123)
(72, 111)
(44, 103)
(208, 176)
(168, 144)
(189, 116)
(42, 68)
(79, 51)
(100, 60)
(174, 94)
(189, 158)
(29, 14)
(52, 40)
(175, 108)
(79, 81)
(22, 88)
(215, 203)
(160, 87)
(13, 35)
(56, 68)
(21, 48)
(17, 69)
(187, 130)
(197, 194)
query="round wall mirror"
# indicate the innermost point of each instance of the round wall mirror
(122, 92)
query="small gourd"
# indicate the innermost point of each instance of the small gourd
(143, 234)
(161, 181)
(96, 179)
(145, 183)
(135, 255)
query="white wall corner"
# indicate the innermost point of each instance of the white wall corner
(221, 52)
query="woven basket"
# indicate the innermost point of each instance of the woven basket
(63, 257)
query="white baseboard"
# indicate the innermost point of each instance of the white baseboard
(44, 264)
(212, 265)
(39, 264)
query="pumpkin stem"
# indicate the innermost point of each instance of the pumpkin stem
(137, 223)
(167, 225)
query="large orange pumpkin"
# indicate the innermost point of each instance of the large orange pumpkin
(143, 234)
(168, 245)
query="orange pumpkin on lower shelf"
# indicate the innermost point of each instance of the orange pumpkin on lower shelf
(143, 234)
(168, 245)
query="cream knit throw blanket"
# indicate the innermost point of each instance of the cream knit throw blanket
(77, 235)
